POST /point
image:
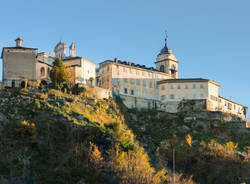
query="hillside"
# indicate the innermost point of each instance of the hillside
(53, 137)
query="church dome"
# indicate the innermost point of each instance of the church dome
(165, 50)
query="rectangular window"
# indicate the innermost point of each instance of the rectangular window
(132, 81)
(213, 97)
(149, 74)
(125, 80)
(132, 92)
(157, 97)
(131, 70)
(194, 86)
(179, 86)
(186, 86)
(171, 86)
(194, 96)
(162, 87)
(201, 95)
(150, 84)
(163, 97)
(143, 73)
(125, 90)
(124, 69)
(144, 83)
(179, 96)
(151, 96)
(138, 82)
(171, 96)
(137, 72)
(144, 94)
(186, 96)
(201, 86)
(117, 69)
(138, 93)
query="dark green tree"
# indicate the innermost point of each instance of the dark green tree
(58, 74)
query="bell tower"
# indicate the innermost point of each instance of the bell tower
(72, 50)
(167, 62)
(60, 50)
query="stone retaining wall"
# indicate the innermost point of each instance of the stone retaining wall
(97, 92)
(200, 106)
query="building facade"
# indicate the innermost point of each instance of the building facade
(82, 68)
(143, 87)
(127, 78)
(22, 63)
(176, 90)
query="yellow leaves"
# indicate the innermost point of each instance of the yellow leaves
(134, 167)
(95, 156)
(27, 124)
(27, 132)
(189, 140)
(160, 176)
(230, 146)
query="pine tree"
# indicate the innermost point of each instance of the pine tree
(58, 74)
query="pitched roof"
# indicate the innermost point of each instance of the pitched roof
(20, 48)
(130, 64)
(188, 80)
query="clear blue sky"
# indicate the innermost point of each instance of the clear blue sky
(210, 38)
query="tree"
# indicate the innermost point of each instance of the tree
(58, 74)
(71, 76)
(91, 79)
(95, 156)
(189, 140)
(230, 146)
(245, 111)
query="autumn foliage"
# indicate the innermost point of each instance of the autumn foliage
(59, 74)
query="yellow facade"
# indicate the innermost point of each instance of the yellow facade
(129, 79)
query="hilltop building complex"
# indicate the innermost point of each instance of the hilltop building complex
(160, 87)
(139, 86)
(22, 63)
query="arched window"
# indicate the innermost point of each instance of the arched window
(162, 68)
(42, 71)
(173, 69)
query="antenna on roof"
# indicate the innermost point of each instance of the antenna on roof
(166, 37)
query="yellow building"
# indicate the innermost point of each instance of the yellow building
(143, 87)
(136, 80)
(176, 90)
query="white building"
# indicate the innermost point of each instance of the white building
(176, 90)
(83, 69)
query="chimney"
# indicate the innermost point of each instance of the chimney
(19, 42)
(116, 60)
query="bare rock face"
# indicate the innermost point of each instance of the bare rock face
(91, 101)
(200, 125)
(184, 129)
(82, 181)
(2, 117)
